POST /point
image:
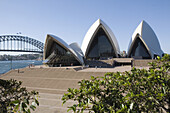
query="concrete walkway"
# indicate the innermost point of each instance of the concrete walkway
(53, 82)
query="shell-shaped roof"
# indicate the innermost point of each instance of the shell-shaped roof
(91, 33)
(76, 48)
(62, 43)
(149, 39)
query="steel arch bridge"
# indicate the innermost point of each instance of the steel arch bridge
(18, 43)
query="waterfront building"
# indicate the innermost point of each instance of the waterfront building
(144, 43)
(99, 43)
(99, 46)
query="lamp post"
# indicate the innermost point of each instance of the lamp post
(11, 62)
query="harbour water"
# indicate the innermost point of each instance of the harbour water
(5, 66)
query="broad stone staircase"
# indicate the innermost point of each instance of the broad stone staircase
(51, 103)
(51, 83)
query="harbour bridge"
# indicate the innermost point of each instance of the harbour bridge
(18, 43)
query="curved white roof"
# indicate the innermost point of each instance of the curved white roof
(76, 48)
(64, 45)
(148, 37)
(92, 32)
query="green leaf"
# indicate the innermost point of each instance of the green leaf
(32, 107)
(16, 102)
(24, 105)
(28, 111)
(131, 106)
(36, 101)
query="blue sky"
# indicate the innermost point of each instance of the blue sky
(71, 19)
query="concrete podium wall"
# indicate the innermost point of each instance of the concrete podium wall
(141, 62)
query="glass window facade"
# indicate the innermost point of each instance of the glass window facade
(60, 56)
(100, 47)
(139, 50)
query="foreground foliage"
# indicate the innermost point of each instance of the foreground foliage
(14, 98)
(139, 90)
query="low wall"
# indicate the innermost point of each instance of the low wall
(109, 61)
(141, 63)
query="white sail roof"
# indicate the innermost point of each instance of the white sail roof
(63, 44)
(149, 38)
(91, 33)
(76, 48)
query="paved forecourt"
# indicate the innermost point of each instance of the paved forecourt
(53, 82)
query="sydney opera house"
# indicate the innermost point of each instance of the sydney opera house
(144, 43)
(99, 44)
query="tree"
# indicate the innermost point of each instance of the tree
(14, 98)
(139, 90)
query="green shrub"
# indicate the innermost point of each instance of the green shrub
(14, 98)
(139, 90)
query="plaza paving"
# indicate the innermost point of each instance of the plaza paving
(53, 82)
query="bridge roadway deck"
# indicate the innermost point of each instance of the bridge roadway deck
(52, 83)
(21, 50)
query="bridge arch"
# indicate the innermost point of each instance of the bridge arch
(18, 43)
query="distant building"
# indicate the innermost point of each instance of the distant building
(100, 44)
